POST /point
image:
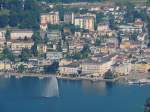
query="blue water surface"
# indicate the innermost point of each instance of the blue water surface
(27, 95)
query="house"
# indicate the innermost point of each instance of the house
(53, 35)
(42, 48)
(48, 18)
(95, 67)
(69, 18)
(54, 55)
(103, 27)
(51, 17)
(70, 69)
(5, 65)
(21, 34)
(18, 45)
(130, 29)
(141, 67)
(122, 69)
(85, 22)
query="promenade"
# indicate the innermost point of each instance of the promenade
(21, 75)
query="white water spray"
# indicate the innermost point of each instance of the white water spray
(51, 88)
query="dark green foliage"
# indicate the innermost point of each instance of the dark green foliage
(21, 68)
(34, 50)
(7, 35)
(54, 27)
(84, 53)
(98, 42)
(18, 13)
(53, 68)
(36, 37)
(99, 17)
(7, 54)
(109, 75)
(3, 21)
(25, 55)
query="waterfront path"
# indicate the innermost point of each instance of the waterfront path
(20, 75)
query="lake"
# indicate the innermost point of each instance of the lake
(35, 95)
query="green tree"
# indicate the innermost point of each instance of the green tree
(25, 54)
(21, 68)
(36, 37)
(7, 35)
(3, 20)
(85, 51)
(34, 50)
(7, 54)
(98, 42)
(99, 17)
(53, 68)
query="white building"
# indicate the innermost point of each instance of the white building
(85, 22)
(69, 69)
(54, 55)
(21, 34)
(95, 67)
(103, 27)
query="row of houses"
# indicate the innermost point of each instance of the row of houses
(88, 67)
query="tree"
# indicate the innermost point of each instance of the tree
(7, 35)
(147, 106)
(129, 16)
(54, 27)
(36, 37)
(21, 68)
(85, 51)
(7, 54)
(34, 50)
(3, 20)
(13, 19)
(25, 54)
(98, 42)
(53, 68)
(99, 17)
(119, 38)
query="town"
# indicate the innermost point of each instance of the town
(80, 40)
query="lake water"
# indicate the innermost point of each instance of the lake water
(34, 95)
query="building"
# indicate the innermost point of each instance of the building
(85, 22)
(89, 23)
(69, 18)
(103, 27)
(17, 45)
(70, 69)
(141, 67)
(5, 66)
(130, 29)
(122, 69)
(53, 35)
(49, 18)
(42, 48)
(54, 55)
(95, 67)
(21, 34)
(78, 22)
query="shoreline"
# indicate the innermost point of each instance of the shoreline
(41, 76)
(96, 79)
